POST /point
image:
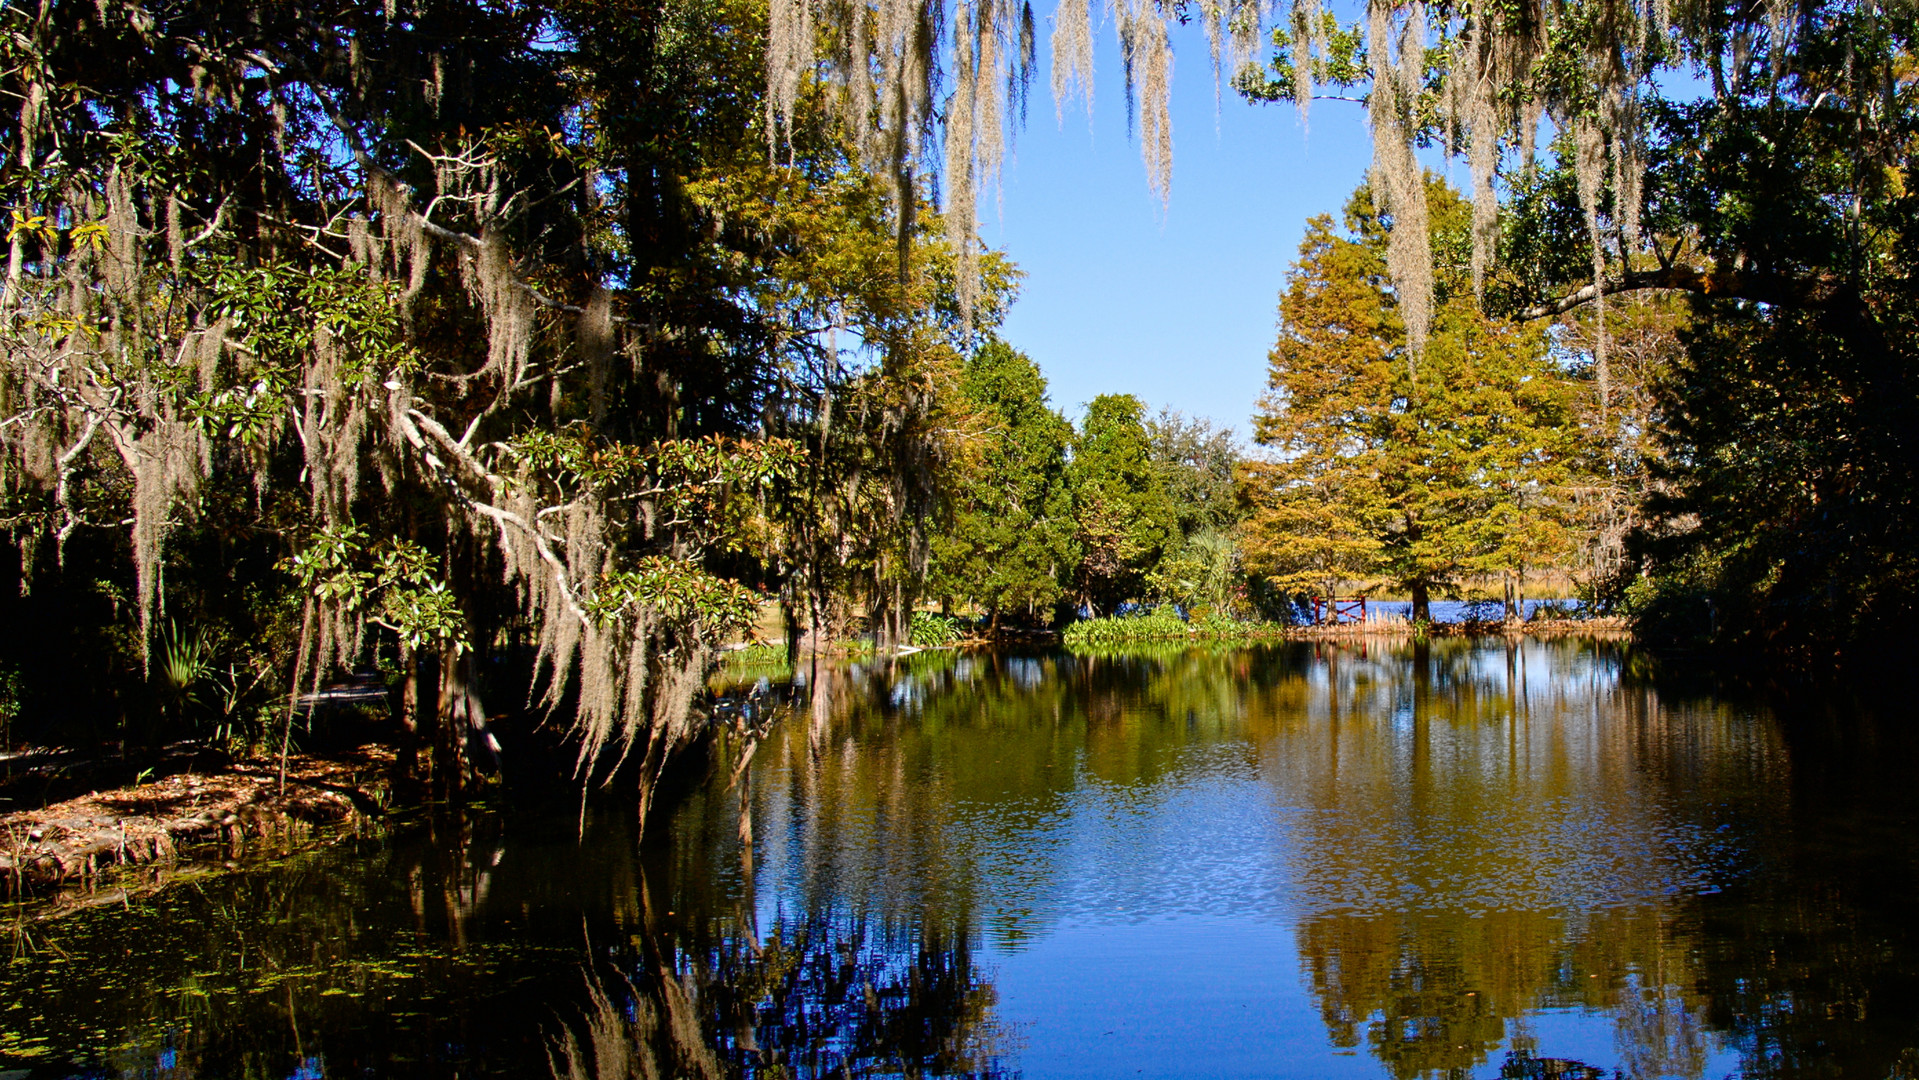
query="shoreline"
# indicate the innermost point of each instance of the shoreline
(1608, 627)
(1611, 628)
(183, 822)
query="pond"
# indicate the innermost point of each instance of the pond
(1482, 858)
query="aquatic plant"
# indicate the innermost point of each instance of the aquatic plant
(1164, 623)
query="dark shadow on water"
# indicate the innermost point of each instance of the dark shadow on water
(480, 947)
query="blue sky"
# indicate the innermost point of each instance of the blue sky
(1174, 305)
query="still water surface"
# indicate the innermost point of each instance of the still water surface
(1469, 859)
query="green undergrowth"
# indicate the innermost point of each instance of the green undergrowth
(1165, 624)
(931, 631)
(757, 655)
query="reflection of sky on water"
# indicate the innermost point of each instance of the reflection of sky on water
(1230, 1004)
(1141, 897)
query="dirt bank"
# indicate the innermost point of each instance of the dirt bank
(217, 814)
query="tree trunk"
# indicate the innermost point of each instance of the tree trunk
(791, 620)
(1422, 602)
(463, 721)
(902, 616)
(409, 712)
(426, 714)
(450, 748)
(993, 631)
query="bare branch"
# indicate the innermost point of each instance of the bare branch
(1820, 290)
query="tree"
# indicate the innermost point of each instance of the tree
(1195, 462)
(1008, 541)
(1386, 470)
(1614, 485)
(1318, 509)
(1477, 456)
(1125, 521)
(1782, 504)
(519, 291)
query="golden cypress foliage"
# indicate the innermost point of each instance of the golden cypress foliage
(1379, 477)
(1315, 519)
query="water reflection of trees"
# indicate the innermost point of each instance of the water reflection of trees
(1436, 993)
(1492, 831)
(811, 1000)
(1478, 832)
(1471, 833)
(485, 948)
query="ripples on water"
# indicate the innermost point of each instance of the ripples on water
(1469, 859)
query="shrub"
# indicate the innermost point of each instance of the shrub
(930, 631)
(1164, 624)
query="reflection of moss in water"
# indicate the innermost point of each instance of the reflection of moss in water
(459, 951)
(819, 997)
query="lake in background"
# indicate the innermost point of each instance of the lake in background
(1469, 858)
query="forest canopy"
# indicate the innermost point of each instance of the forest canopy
(438, 333)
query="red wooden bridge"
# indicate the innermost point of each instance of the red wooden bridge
(1333, 609)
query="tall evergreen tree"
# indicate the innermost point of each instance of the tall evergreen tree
(1008, 542)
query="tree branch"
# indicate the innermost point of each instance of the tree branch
(1816, 291)
(420, 428)
(366, 161)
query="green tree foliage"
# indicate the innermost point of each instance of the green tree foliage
(1391, 469)
(1197, 464)
(1125, 522)
(409, 331)
(1008, 543)
(1783, 512)
(1195, 461)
